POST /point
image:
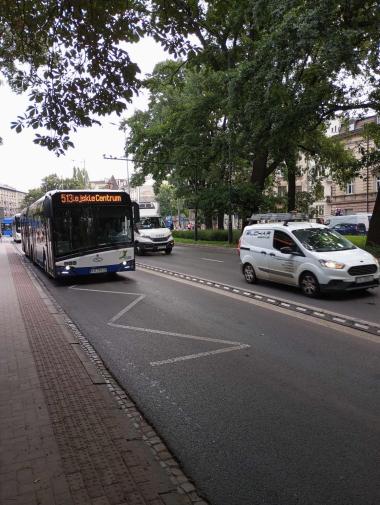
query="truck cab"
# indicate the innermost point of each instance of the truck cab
(151, 234)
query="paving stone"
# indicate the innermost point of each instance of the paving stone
(63, 438)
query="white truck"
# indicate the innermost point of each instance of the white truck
(359, 218)
(151, 234)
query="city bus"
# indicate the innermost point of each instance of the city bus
(16, 228)
(80, 232)
(6, 226)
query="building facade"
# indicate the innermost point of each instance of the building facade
(359, 194)
(10, 200)
(144, 193)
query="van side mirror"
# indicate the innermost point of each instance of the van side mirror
(290, 250)
(135, 212)
(286, 250)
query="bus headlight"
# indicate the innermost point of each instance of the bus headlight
(124, 263)
(67, 267)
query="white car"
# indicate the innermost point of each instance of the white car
(307, 255)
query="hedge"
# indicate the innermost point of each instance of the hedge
(210, 235)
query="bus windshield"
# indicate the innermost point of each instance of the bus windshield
(322, 240)
(89, 227)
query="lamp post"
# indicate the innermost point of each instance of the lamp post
(367, 185)
(230, 239)
(124, 130)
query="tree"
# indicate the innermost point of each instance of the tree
(167, 198)
(79, 180)
(68, 56)
(183, 136)
(292, 65)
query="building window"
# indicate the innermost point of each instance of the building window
(378, 183)
(282, 190)
(298, 189)
(319, 210)
(350, 188)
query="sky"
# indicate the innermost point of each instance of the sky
(24, 164)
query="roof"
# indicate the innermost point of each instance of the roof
(9, 188)
(296, 225)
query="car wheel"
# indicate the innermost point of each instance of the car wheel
(249, 273)
(168, 250)
(309, 285)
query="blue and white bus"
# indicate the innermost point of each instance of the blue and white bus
(16, 228)
(80, 232)
(6, 226)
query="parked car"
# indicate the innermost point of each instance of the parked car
(350, 228)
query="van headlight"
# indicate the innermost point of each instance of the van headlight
(332, 264)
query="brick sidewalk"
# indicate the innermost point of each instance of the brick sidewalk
(63, 439)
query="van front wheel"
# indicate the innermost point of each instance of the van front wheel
(249, 273)
(309, 285)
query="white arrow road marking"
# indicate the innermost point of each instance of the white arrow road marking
(233, 346)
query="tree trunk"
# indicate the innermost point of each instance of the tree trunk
(196, 223)
(221, 220)
(208, 220)
(291, 187)
(373, 237)
(258, 176)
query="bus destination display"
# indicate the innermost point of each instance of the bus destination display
(75, 198)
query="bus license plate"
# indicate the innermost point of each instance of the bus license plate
(364, 278)
(99, 270)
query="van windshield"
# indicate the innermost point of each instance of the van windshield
(149, 223)
(322, 240)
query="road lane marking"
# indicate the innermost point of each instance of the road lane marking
(257, 300)
(233, 346)
(198, 355)
(209, 259)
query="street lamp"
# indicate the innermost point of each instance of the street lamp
(124, 130)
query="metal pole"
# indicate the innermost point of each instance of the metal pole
(367, 195)
(229, 156)
(126, 157)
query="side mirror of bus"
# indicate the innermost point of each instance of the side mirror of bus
(46, 207)
(136, 212)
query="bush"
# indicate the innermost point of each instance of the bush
(209, 235)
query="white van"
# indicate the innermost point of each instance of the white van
(151, 234)
(359, 218)
(307, 255)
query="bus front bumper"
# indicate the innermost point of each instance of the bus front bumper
(73, 271)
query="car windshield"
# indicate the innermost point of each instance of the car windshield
(149, 223)
(322, 240)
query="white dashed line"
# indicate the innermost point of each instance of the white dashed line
(209, 259)
(362, 326)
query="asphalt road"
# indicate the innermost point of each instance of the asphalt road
(259, 405)
(224, 266)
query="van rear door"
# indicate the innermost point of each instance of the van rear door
(259, 242)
